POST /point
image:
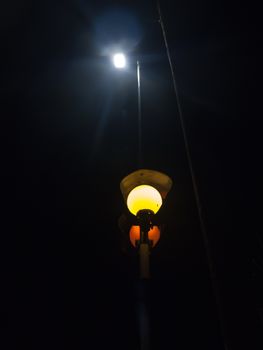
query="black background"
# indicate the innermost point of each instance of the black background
(71, 276)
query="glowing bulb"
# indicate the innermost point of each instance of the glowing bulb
(144, 197)
(153, 234)
(119, 60)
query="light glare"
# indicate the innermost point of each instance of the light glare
(119, 60)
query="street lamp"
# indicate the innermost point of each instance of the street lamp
(144, 191)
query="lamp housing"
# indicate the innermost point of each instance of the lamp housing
(145, 189)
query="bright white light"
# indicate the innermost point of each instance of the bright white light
(119, 60)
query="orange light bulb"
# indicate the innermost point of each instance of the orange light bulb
(153, 234)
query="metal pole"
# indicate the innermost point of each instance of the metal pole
(143, 317)
(144, 253)
(142, 314)
(139, 116)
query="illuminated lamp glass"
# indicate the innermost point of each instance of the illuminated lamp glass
(144, 197)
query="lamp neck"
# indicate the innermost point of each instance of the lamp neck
(145, 221)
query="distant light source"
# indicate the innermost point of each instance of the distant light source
(144, 197)
(119, 60)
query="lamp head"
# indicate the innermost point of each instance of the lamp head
(119, 60)
(145, 190)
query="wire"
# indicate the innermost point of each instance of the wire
(139, 116)
(194, 183)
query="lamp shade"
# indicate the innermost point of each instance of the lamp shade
(145, 189)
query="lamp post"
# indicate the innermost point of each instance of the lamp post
(119, 61)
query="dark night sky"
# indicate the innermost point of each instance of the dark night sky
(72, 120)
